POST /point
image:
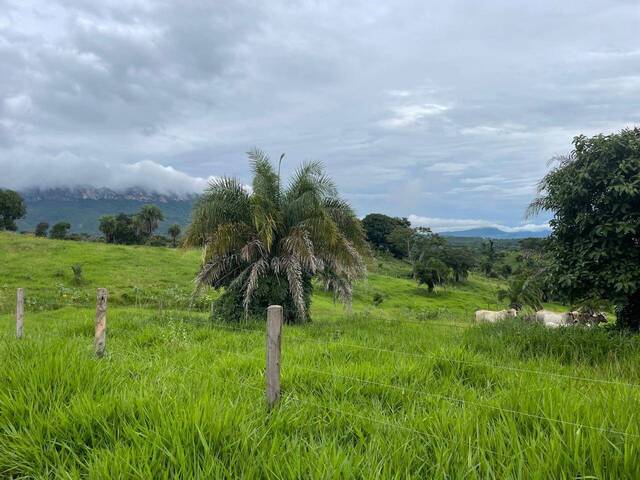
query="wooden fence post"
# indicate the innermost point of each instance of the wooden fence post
(274, 335)
(101, 322)
(20, 313)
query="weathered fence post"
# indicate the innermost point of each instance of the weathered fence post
(101, 322)
(274, 335)
(20, 313)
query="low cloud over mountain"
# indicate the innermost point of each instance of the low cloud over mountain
(449, 109)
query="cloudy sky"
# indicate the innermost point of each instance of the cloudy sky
(445, 111)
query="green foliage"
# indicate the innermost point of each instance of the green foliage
(271, 290)
(432, 272)
(388, 233)
(460, 260)
(133, 229)
(489, 257)
(523, 291)
(77, 274)
(12, 208)
(41, 229)
(174, 232)
(594, 195)
(277, 237)
(148, 219)
(378, 298)
(435, 262)
(121, 229)
(60, 231)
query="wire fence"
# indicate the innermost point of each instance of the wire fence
(295, 367)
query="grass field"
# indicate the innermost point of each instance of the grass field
(407, 389)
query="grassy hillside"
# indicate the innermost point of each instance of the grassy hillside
(158, 276)
(409, 389)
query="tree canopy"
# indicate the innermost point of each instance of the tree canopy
(594, 195)
(41, 229)
(12, 208)
(60, 230)
(265, 246)
(130, 229)
(387, 233)
(174, 232)
(148, 219)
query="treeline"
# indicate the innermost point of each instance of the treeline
(434, 261)
(138, 228)
(122, 228)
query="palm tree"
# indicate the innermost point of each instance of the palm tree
(265, 246)
(148, 219)
(174, 232)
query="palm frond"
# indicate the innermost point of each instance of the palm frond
(225, 201)
(266, 183)
(257, 270)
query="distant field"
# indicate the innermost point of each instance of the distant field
(407, 389)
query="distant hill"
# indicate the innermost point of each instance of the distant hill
(82, 207)
(491, 232)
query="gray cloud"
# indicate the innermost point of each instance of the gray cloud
(446, 110)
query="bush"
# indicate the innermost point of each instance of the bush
(77, 274)
(377, 299)
(270, 291)
(41, 229)
(60, 230)
(158, 241)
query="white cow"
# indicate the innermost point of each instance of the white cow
(555, 320)
(492, 317)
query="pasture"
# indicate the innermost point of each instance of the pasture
(408, 388)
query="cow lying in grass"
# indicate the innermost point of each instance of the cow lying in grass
(555, 320)
(492, 317)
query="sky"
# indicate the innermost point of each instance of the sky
(444, 112)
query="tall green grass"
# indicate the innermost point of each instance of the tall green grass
(177, 396)
(406, 388)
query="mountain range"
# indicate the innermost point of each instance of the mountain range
(492, 232)
(83, 206)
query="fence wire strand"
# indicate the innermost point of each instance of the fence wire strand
(331, 342)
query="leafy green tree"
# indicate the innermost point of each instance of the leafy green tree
(265, 246)
(60, 230)
(12, 208)
(594, 195)
(405, 242)
(432, 272)
(108, 227)
(174, 232)
(460, 260)
(148, 219)
(387, 233)
(126, 230)
(121, 229)
(41, 229)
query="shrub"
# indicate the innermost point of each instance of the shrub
(77, 274)
(377, 299)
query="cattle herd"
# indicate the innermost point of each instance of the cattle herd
(546, 317)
